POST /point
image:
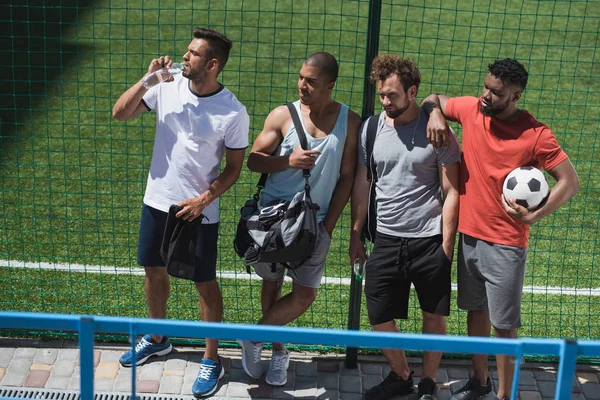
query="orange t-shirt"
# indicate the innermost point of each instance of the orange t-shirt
(491, 149)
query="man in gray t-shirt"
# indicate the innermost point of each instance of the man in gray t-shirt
(416, 198)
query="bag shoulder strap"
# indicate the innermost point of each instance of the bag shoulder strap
(372, 124)
(299, 131)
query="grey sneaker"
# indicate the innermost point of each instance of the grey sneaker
(277, 372)
(251, 358)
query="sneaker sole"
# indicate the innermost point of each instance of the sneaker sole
(279, 383)
(158, 353)
(244, 363)
(200, 396)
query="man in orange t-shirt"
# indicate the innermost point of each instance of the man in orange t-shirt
(493, 231)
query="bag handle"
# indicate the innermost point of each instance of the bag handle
(371, 134)
(300, 132)
(303, 143)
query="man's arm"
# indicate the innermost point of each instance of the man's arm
(437, 127)
(449, 178)
(359, 207)
(261, 158)
(130, 103)
(343, 188)
(192, 208)
(567, 185)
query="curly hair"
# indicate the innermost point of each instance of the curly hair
(218, 44)
(386, 65)
(509, 71)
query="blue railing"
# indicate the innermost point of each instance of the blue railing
(87, 326)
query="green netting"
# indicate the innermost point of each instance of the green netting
(72, 179)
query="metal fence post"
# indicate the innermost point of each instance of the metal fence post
(374, 22)
(86, 357)
(566, 369)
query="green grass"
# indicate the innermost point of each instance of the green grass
(123, 295)
(72, 179)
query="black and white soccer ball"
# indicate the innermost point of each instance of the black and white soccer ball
(527, 186)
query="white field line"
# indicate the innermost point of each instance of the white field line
(327, 280)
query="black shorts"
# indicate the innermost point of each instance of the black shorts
(152, 228)
(397, 262)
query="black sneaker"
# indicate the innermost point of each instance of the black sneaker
(391, 386)
(427, 389)
(472, 390)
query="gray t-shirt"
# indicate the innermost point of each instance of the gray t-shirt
(408, 192)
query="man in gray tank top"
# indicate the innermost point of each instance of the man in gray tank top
(332, 135)
(416, 196)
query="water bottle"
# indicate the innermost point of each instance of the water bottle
(160, 75)
(359, 265)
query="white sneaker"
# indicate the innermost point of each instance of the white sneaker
(277, 372)
(251, 352)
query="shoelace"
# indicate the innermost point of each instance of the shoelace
(278, 363)
(205, 371)
(257, 350)
(142, 344)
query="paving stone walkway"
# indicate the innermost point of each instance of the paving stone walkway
(55, 365)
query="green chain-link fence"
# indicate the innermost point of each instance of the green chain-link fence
(72, 179)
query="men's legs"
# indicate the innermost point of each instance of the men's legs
(478, 324)
(432, 324)
(503, 269)
(211, 310)
(211, 307)
(395, 357)
(473, 297)
(506, 365)
(156, 286)
(387, 291)
(157, 293)
(287, 308)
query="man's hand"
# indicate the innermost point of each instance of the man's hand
(448, 247)
(518, 212)
(437, 129)
(159, 63)
(303, 159)
(357, 248)
(191, 208)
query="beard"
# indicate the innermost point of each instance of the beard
(396, 112)
(198, 76)
(491, 111)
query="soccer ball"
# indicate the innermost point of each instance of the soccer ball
(527, 186)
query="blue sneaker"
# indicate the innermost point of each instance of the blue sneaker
(145, 349)
(208, 378)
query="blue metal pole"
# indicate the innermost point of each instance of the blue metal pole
(132, 333)
(566, 369)
(518, 359)
(86, 357)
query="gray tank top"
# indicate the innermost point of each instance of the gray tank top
(283, 185)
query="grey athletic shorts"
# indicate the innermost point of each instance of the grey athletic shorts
(490, 277)
(308, 274)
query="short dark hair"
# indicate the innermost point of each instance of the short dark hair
(326, 62)
(386, 65)
(509, 71)
(218, 44)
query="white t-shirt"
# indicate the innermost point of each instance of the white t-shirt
(192, 133)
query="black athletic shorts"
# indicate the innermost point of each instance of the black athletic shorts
(152, 228)
(397, 262)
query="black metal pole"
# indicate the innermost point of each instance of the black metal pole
(368, 108)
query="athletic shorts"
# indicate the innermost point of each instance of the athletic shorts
(397, 262)
(490, 277)
(308, 274)
(152, 228)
